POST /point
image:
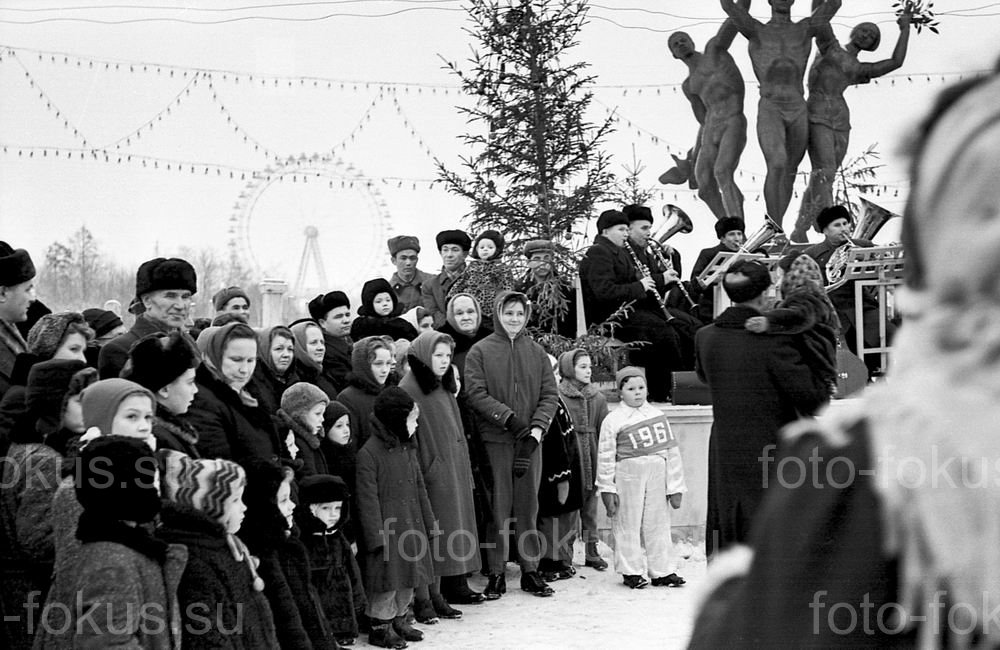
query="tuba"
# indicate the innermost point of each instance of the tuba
(679, 223)
(768, 231)
(872, 218)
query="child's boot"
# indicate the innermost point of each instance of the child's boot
(423, 611)
(403, 628)
(383, 636)
(594, 559)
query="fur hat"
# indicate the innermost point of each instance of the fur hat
(637, 213)
(728, 224)
(48, 333)
(15, 265)
(100, 402)
(758, 280)
(321, 305)
(495, 237)
(391, 408)
(158, 359)
(537, 246)
(163, 273)
(334, 411)
(322, 488)
(101, 321)
(610, 219)
(830, 214)
(458, 237)
(200, 483)
(371, 289)
(626, 373)
(48, 382)
(403, 243)
(222, 296)
(300, 397)
(117, 480)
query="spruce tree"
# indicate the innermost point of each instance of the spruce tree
(537, 167)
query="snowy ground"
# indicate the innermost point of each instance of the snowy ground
(591, 610)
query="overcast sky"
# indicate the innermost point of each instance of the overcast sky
(339, 65)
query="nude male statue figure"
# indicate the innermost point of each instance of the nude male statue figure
(779, 51)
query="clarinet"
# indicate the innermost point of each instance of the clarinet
(668, 265)
(643, 272)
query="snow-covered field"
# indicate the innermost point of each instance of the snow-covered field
(593, 609)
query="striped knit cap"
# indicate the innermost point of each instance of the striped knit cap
(202, 484)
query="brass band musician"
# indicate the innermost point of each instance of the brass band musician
(731, 232)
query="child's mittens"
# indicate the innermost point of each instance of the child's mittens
(756, 324)
(675, 500)
(526, 447)
(562, 491)
(610, 500)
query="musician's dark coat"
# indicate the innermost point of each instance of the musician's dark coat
(705, 297)
(759, 384)
(608, 279)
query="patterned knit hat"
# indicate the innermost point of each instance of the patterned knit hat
(199, 483)
(300, 397)
(48, 333)
(804, 274)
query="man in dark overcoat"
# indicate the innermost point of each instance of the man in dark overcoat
(759, 383)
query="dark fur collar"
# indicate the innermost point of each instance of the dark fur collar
(300, 431)
(735, 317)
(92, 528)
(364, 382)
(426, 379)
(175, 425)
(390, 439)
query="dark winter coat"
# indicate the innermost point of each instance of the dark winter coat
(368, 323)
(11, 345)
(560, 462)
(359, 396)
(312, 460)
(342, 462)
(705, 296)
(409, 292)
(297, 569)
(227, 427)
(335, 572)
(336, 364)
(114, 354)
(227, 611)
(608, 279)
(444, 460)
(506, 377)
(396, 515)
(434, 295)
(758, 384)
(121, 593)
(463, 343)
(174, 432)
(587, 409)
(266, 386)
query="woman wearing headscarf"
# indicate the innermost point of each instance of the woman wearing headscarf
(371, 363)
(888, 539)
(277, 367)
(230, 422)
(310, 350)
(444, 460)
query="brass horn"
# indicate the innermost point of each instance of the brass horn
(768, 231)
(872, 218)
(678, 222)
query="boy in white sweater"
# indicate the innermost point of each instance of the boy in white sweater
(639, 469)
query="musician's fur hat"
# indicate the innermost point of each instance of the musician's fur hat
(830, 214)
(728, 224)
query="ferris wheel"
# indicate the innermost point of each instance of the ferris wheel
(320, 203)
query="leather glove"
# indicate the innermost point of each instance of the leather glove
(522, 456)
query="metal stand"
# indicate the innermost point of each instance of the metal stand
(880, 267)
(715, 271)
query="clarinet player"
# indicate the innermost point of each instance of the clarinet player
(610, 278)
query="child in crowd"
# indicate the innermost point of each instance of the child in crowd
(341, 454)
(425, 321)
(269, 532)
(371, 365)
(220, 594)
(322, 515)
(486, 276)
(560, 495)
(805, 312)
(121, 590)
(639, 469)
(301, 416)
(396, 519)
(588, 408)
(379, 313)
(401, 350)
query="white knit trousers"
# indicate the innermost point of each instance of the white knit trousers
(642, 524)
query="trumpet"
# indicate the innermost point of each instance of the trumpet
(644, 272)
(657, 249)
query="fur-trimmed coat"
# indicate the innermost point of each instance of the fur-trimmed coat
(587, 408)
(396, 515)
(114, 354)
(312, 460)
(122, 592)
(216, 592)
(335, 572)
(447, 470)
(560, 462)
(174, 432)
